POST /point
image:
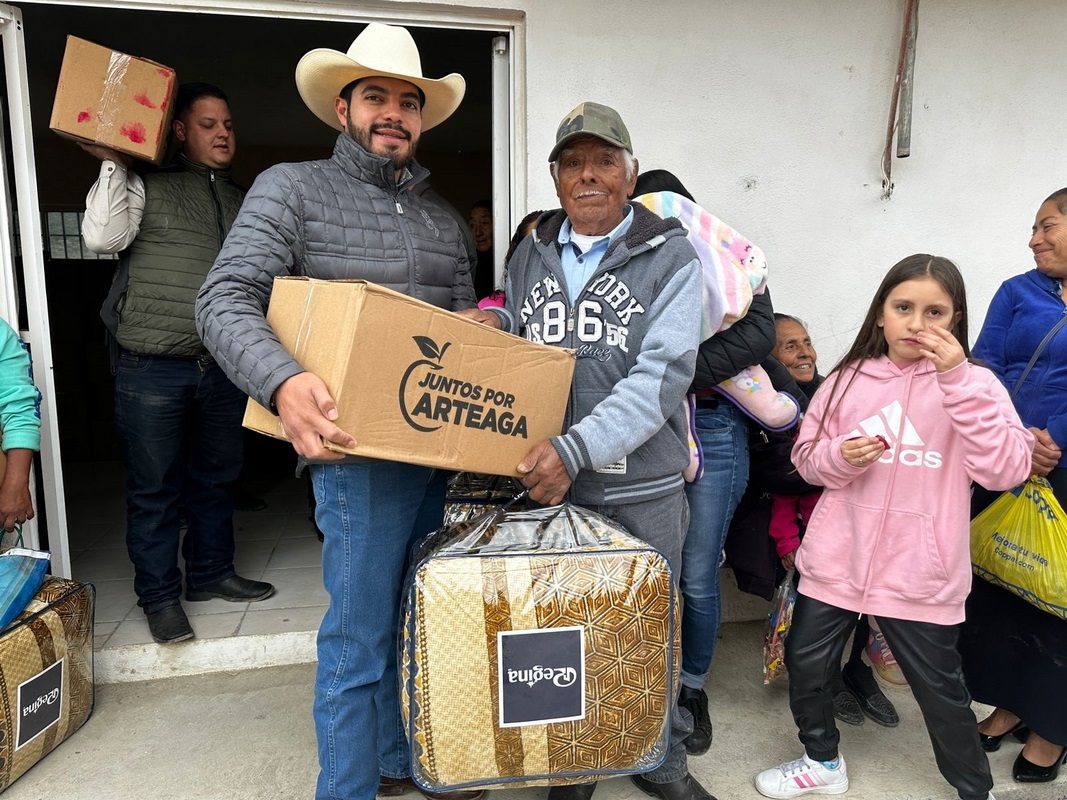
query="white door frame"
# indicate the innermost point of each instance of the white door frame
(510, 156)
(38, 337)
(501, 140)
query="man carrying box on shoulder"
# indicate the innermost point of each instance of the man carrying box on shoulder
(623, 288)
(178, 416)
(350, 216)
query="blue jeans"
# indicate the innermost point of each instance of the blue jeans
(370, 515)
(179, 426)
(723, 433)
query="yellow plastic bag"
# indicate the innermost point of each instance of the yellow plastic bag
(1020, 543)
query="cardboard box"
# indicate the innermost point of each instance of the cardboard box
(415, 383)
(113, 99)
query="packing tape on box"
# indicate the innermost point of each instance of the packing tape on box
(109, 97)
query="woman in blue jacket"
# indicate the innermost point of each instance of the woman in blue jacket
(1014, 654)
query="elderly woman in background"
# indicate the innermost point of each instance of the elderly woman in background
(1014, 654)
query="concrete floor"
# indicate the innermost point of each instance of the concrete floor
(248, 735)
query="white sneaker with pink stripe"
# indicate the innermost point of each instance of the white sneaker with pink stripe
(800, 777)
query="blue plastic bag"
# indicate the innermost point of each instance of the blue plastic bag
(22, 572)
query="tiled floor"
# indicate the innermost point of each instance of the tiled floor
(277, 544)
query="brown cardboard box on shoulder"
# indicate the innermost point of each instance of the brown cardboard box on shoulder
(415, 383)
(117, 100)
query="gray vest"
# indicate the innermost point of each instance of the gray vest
(188, 210)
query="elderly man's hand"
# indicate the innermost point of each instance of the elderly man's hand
(544, 475)
(308, 412)
(484, 317)
(1047, 453)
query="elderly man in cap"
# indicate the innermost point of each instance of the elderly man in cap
(623, 288)
(349, 216)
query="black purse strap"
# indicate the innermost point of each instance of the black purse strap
(1040, 348)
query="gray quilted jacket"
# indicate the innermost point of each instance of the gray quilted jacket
(345, 217)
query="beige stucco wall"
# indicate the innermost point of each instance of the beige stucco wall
(774, 113)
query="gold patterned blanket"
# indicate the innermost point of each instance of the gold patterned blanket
(46, 674)
(539, 647)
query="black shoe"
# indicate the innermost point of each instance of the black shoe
(859, 680)
(992, 743)
(572, 791)
(695, 701)
(685, 788)
(169, 625)
(234, 588)
(846, 706)
(1025, 771)
(394, 787)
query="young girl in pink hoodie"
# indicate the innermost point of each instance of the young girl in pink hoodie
(895, 435)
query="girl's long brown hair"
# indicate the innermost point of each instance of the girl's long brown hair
(870, 340)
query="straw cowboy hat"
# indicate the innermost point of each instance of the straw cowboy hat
(385, 50)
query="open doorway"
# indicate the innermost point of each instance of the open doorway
(253, 59)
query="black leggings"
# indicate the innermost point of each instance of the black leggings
(928, 658)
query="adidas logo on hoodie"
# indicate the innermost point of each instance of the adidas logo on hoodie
(907, 446)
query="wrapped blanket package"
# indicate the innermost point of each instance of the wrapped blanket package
(539, 647)
(46, 674)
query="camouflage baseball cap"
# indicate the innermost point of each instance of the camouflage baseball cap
(592, 119)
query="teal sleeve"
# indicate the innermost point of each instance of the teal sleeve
(20, 402)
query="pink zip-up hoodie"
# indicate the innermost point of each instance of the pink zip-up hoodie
(893, 538)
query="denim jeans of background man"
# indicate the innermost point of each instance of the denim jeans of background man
(179, 426)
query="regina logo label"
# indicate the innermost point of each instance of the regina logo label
(431, 398)
(541, 676)
(40, 702)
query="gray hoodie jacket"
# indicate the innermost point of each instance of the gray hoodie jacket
(635, 328)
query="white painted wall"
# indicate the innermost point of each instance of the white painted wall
(773, 113)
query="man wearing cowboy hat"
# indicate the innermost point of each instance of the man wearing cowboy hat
(349, 216)
(631, 283)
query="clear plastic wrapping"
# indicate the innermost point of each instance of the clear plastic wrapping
(538, 647)
(473, 493)
(778, 623)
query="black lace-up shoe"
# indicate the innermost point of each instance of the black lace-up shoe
(695, 701)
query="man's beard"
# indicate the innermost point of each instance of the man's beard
(364, 138)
